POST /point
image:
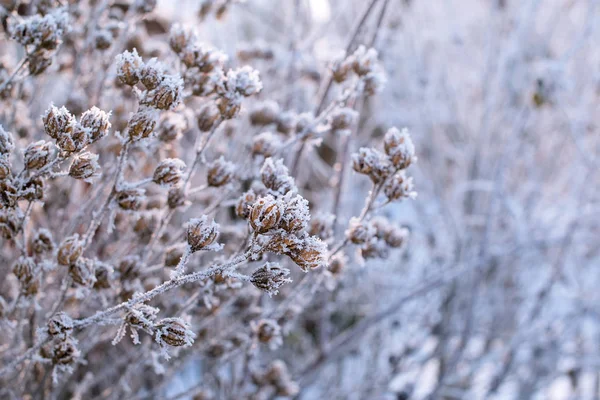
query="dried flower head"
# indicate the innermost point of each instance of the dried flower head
(171, 127)
(372, 163)
(142, 123)
(69, 250)
(83, 272)
(60, 325)
(309, 253)
(400, 187)
(270, 277)
(58, 122)
(208, 116)
(5, 167)
(97, 122)
(9, 223)
(174, 332)
(202, 233)
(265, 144)
(169, 172)
(360, 231)
(24, 268)
(220, 172)
(244, 204)
(7, 143)
(267, 331)
(42, 242)
(400, 148)
(37, 154)
(130, 199)
(275, 176)
(321, 225)
(84, 166)
(265, 113)
(296, 215)
(129, 67)
(266, 213)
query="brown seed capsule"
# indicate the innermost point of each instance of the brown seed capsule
(33, 189)
(179, 38)
(375, 248)
(321, 225)
(8, 193)
(265, 144)
(39, 62)
(400, 187)
(229, 107)
(69, 250)
(60, 325)
(244, 205)
(173, 254)
(286, 121)
(37, 154)
(130, 199)
(75, 142)
(42, 242)
(174, 332)
(311, 254)
(207, 117)
(275, 176)
(103, 39)
(399, 147)
(58, 122)
(270, 277)
(267, 331)
(169, 172)
(141, 316)
(83, 272)
(296, 215)
(342, 119)
(176, 197)
(9, 223)
(103, 276)
(151, 74)
(201, 233)
(32, 287)
(341, 70)
(167, 95)
(395, 236)
(265, 113)
(64, 352)
(171, 127)
(96, 122)
(24, 269)
(337, 264)
(266, 213)
(360, 231)
(372, 163)
(220, 172)
(4, 166)
(142, 123)
(129, 66)
(84, 166)
(7, 143)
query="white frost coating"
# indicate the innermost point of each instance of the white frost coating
(244, 80)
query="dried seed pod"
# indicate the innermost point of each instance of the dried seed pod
(275, 176)
(130, 199)
(64, 352)
(265, 144)
(207, 117)
(266, 213)
(39, 62)
(58, 122)
(129, 65)
(8, 193)
(173, 255)
(174, 332)
(373, 83)
(312, 253)
(37, 154)
(103, 274)
(296, 215)
(171, 127)
(372, 163)
(400, 148)
(270, 277)
(141, 315)
(360, 232)
(375, 248)
(364, 60)
(142, 123)
(244, 80)
(229, 107)
(75, 142)
(97, 122)
(60, 325)
(84, 166)
(167, 95)
(220, 172)
(5, 166)
(176, 197)
(321, 225)
(42, 242)
(267, 331)
(9, 223)
(7, 143)
(69, 250)
(265, 113)
(340, 70)
(179, 38)
(202, 233)
(400, 187)
(396, 236)
(342, 119)
(169, 172)
(33, 189)
(151, 74)
(337, 264)
(24, 269)
(244, 205)
(32, 287)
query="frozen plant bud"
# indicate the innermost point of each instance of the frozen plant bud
(37, 154)
(39, 62)
(321, 225)
(265, 144)
(400, 187)
(167, 95)
(275, 176)
(142, 123)
(342, 119)
(7, 143)
(4, 166)
(207, 117)
(364, 60)
(270, 277)
(373, 83)
(151, 73)
(129, 66)
(60, 325)
(266, 213)
(84, 166)
(42, 242)
(220, 172)
(9, 223)
(375, 248)
(58, 122)
(373, 163)
(399, 147)
(202, 233)
(103, 274)
(64, 352)
(171, 127)
(24, 268)
(244, 205)
(130, 199)
(43, 32)
(76, 141)
(174, 332)
(97, 122)
(296, 215)
(310, 253)
(33, 190)
(268, 331)
(265, 113)
(340, 69)
(8, 193)
(69, 250)
(83, 272)
(176, 197)
(244, 80)
(396, 236)
(360, 231)
(337, 264)
(173, 254)
(169, 172)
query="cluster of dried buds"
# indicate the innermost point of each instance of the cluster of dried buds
(61, 348)
(364, 64)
